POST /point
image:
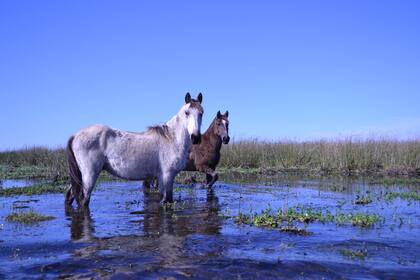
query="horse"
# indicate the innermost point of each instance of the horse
(205, 156)
(160, 152)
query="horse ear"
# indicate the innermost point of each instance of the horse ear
(200, 98)
(219, 115)
(187, 98)
(227, 114)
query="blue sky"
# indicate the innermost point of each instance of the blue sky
(284, 69)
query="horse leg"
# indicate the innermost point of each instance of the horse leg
(69, 197)
(211, 177)
(146, 184)
(166, 184)
(89, 180)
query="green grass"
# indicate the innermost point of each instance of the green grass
(268, 218)
(33, 190)
(27, 218)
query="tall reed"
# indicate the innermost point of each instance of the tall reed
(345, 156)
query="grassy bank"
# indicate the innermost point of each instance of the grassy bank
(342, 157)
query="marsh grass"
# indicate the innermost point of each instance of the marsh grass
(27, 218)
(346, 156)
(34, 162)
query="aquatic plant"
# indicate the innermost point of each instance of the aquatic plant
(363, 220)
(306, 215)
(27, 218)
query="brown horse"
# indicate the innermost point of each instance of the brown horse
(205, 156)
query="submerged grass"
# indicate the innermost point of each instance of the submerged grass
(354, 254)
(27, 218)
(268, 218)
(294, 230)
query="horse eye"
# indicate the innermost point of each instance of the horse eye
(187, 113)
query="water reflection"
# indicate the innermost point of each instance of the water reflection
(82, 226)
(187, 216)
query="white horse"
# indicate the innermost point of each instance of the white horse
(160, 152)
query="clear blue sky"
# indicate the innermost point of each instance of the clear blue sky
(284, 69)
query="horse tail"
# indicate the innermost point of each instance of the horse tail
(74, 172)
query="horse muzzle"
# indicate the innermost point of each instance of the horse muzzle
(226, 140)
(196, 139)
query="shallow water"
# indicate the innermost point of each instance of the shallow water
(127, 234)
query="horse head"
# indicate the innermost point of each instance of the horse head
(193, 113)
(221, 126)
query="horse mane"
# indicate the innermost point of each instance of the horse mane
(161, 130)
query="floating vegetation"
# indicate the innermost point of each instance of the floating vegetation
(358, 219)
(27, 218)
(363, 200)
(33, 190)
(306, 215)
(402, 195)
(354, 254)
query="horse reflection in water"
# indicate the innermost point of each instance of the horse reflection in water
(164, 241)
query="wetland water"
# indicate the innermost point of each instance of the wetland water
(127, 234)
